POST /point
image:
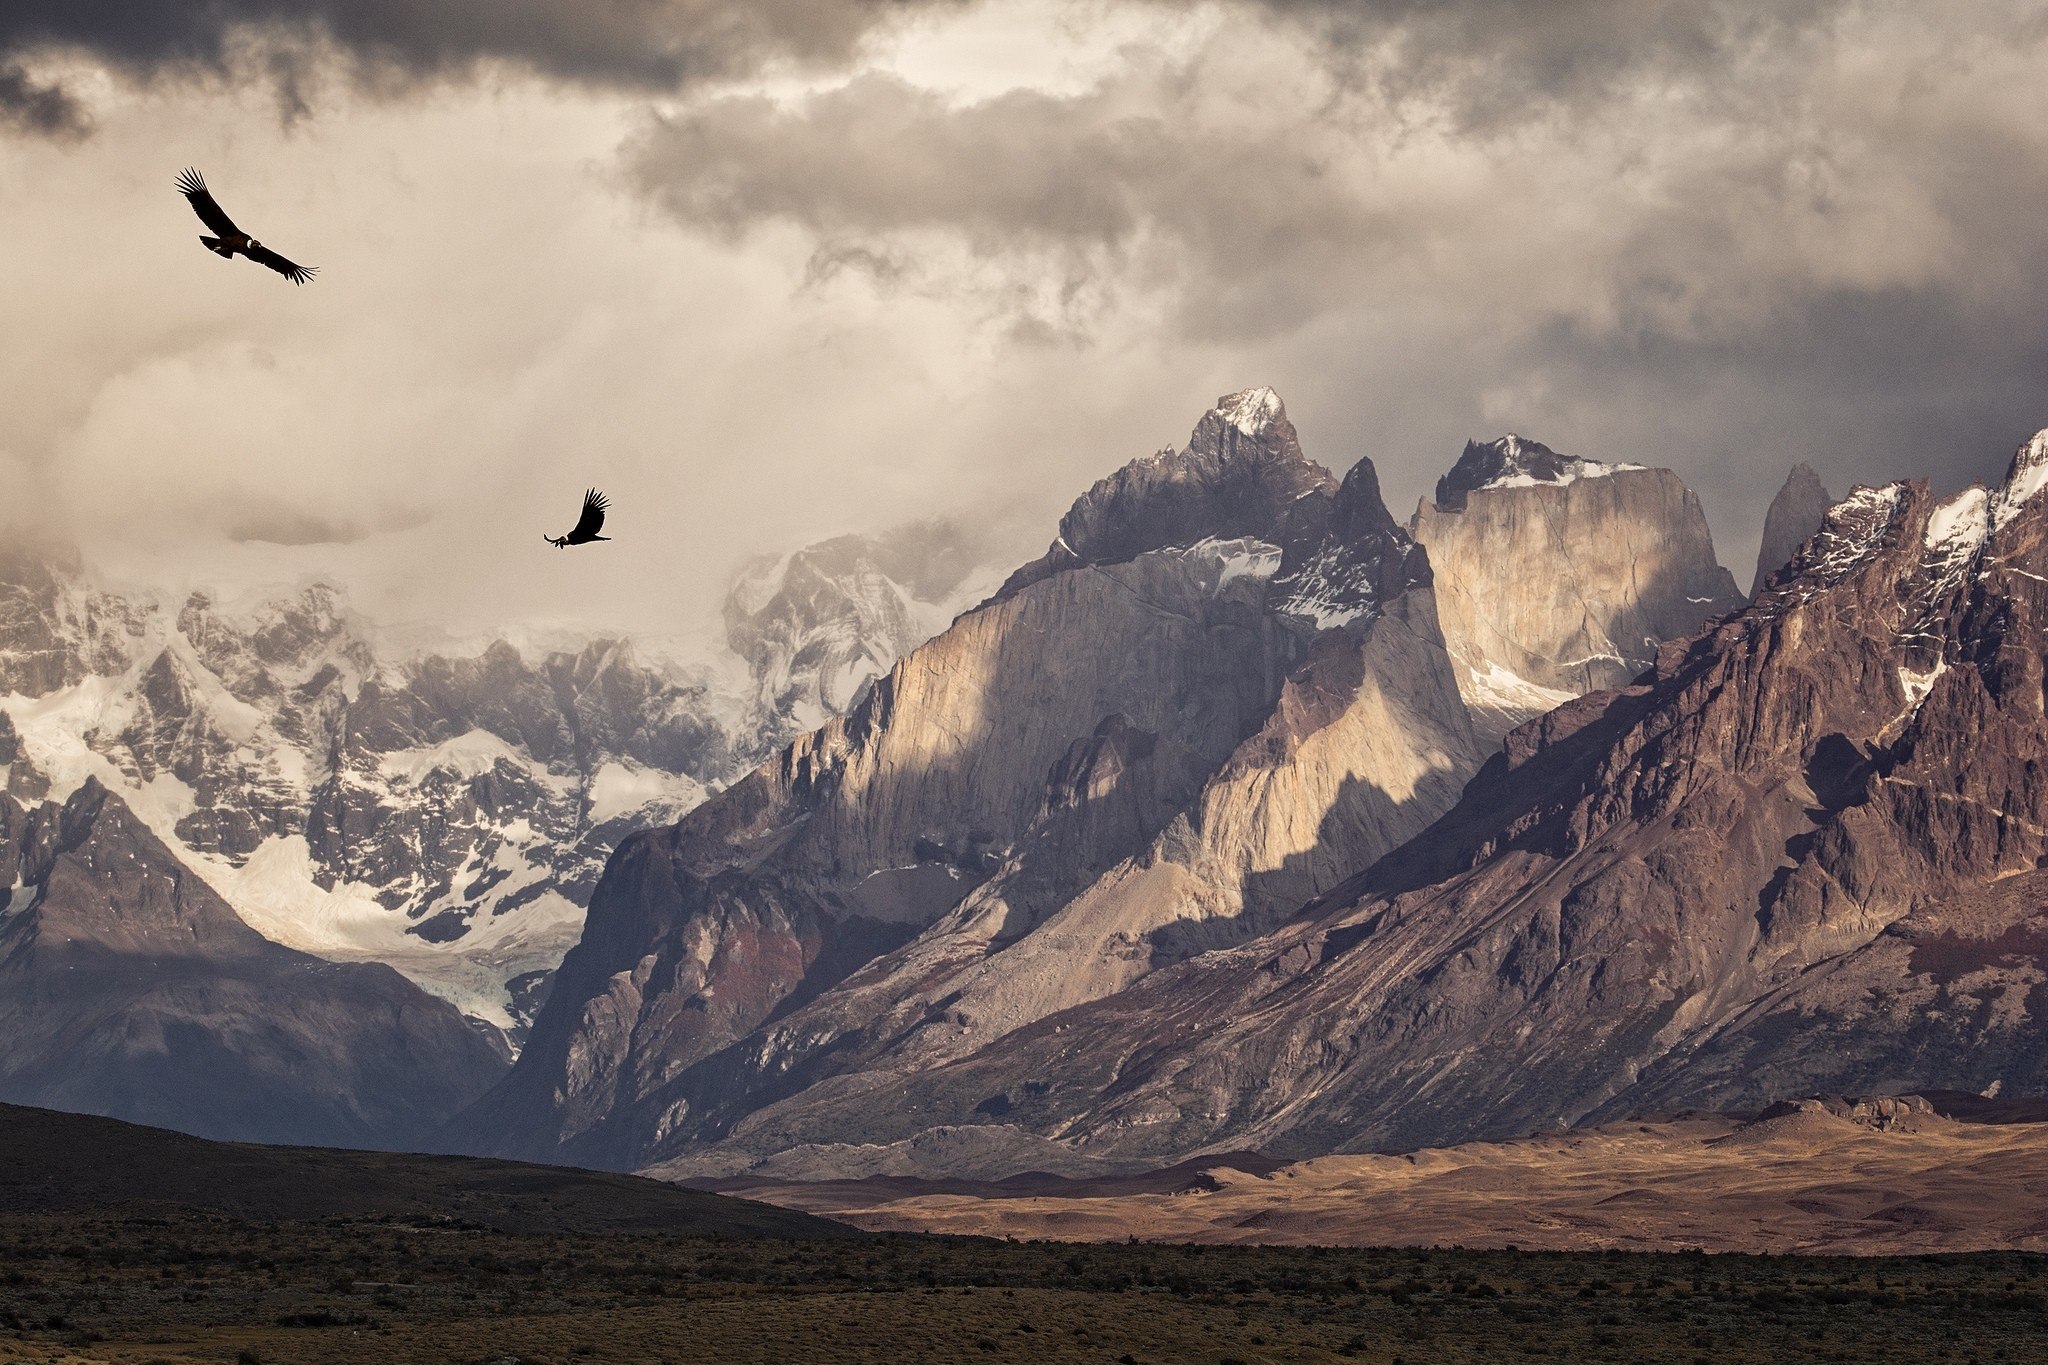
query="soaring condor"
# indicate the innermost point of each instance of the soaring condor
(232, 240)
(587, 526)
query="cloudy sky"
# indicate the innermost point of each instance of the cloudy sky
(768, 270)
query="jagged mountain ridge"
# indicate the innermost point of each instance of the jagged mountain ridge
(1798, 856)
(128, 988)
(910, 886)
(448, 814)
(1512, 462)
(900, 843)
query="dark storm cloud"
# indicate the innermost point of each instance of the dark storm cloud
(1121, 186)
(39, 107)
(878, 155)
(651, 44)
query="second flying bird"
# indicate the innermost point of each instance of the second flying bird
(232, 241)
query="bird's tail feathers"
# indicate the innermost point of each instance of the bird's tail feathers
(213, 244)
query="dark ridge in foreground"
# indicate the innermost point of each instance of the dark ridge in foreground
(76, 1162)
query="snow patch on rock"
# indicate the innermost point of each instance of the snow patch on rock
(470, 754)
(1917, 684)
(1242, 557)
(1526, 464)
(1956, 532)
(1251, 411)
(1959, 525)
(1498, 689)
(2029, 475)
(1854, 528)
(1331, 589)
(1582, 469)
(278, 891)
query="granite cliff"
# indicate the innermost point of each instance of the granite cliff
(1796, 513)
(1559, 575)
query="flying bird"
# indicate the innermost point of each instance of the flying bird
(232, 239)
(587, 526)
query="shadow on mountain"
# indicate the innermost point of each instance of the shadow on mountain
(1304, 884)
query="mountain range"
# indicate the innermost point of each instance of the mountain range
(967, 916)
(1246, 817)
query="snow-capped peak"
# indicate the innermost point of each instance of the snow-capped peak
(2028, 476)
(1251, 411)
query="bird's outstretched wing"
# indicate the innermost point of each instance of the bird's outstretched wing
(201, 199)
(592, 520)
(297, 274)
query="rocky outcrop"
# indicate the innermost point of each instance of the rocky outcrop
(1799, 855)
(129, 988)
(1021, 818)
(1512, 462)
(1796, 513)
(1557, 575)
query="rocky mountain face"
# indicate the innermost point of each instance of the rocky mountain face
(1802, 854)
(1022, 823)
(448, 815)
(1796, 513)
(128, 988)
(1558, 575)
